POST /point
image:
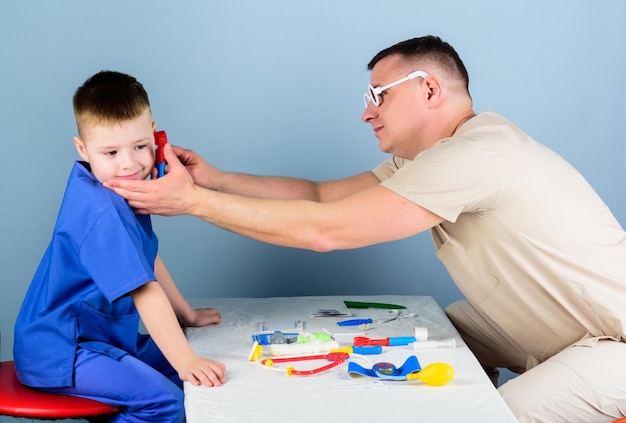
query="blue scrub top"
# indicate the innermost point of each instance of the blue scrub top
(100, 251)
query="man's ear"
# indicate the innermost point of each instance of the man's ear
(434, 90)
(80, 147)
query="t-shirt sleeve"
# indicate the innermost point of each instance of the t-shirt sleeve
(451, 178)
(113, 255)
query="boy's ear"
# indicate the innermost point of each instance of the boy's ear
(80, 147)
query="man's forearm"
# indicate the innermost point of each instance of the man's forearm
(269, 187)
(288, 188)
(275, 221)
(370, 216)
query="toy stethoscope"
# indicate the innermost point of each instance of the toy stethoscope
(336, 359)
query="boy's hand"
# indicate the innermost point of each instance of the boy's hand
(202, 317)
(203, 371)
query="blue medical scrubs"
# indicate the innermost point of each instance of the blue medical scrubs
(77, 330)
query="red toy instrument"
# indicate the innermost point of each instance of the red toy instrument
(160, 139)
(337, 358)
(362, 341)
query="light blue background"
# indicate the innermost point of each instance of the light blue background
(275, 87)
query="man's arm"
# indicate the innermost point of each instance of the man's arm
(277, 187)
(370, 215)
(160, 321)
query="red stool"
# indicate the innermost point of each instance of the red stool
(18, 400)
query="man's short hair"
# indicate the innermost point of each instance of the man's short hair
(430, 48)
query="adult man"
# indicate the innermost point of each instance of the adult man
(539, 256)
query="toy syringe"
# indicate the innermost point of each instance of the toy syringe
(160, 139)
(362, 341)
(433, 344)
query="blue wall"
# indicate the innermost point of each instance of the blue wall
(275, 87)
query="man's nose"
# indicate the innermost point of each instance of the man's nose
(371, 112)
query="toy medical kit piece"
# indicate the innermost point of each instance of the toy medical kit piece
(278, 338)
(391, 315)
(434, 344)
(435, 374)
(395, 314)
(344, 337)
(160, 139)
(306, 343)
(354, 322)
(411, 365)
(281, 325)
(323, 312)
(266, 338)
(360, 350)
(336, 359)
(256, 352)
(420, 333)
(372, 384)
(362, 341)
(359, 304)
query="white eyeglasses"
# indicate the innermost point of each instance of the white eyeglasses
(373, 94)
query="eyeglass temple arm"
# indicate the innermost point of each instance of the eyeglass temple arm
(412, 75)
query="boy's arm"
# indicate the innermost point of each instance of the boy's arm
(158, 316)
(185, 314)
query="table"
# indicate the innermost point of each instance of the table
(253, 393)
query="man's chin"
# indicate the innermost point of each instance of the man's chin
(384, 148)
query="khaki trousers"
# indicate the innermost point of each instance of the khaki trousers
(579, 384)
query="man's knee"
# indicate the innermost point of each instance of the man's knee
(578, 384)
(457, 313)
(453, 310)
(467, 321)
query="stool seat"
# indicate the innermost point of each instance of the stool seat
(20, 401)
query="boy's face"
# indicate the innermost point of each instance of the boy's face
(120, 150)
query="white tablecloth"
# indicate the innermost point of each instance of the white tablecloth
(256, 394)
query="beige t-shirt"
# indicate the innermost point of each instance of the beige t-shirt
(525, 237)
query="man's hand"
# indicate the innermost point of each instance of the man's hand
(169, 196)
(203, 174)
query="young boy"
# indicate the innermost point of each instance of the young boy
(77, 331)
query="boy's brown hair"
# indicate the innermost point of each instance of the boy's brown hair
(109, 97)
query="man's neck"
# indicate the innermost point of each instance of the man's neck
(467, 116)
